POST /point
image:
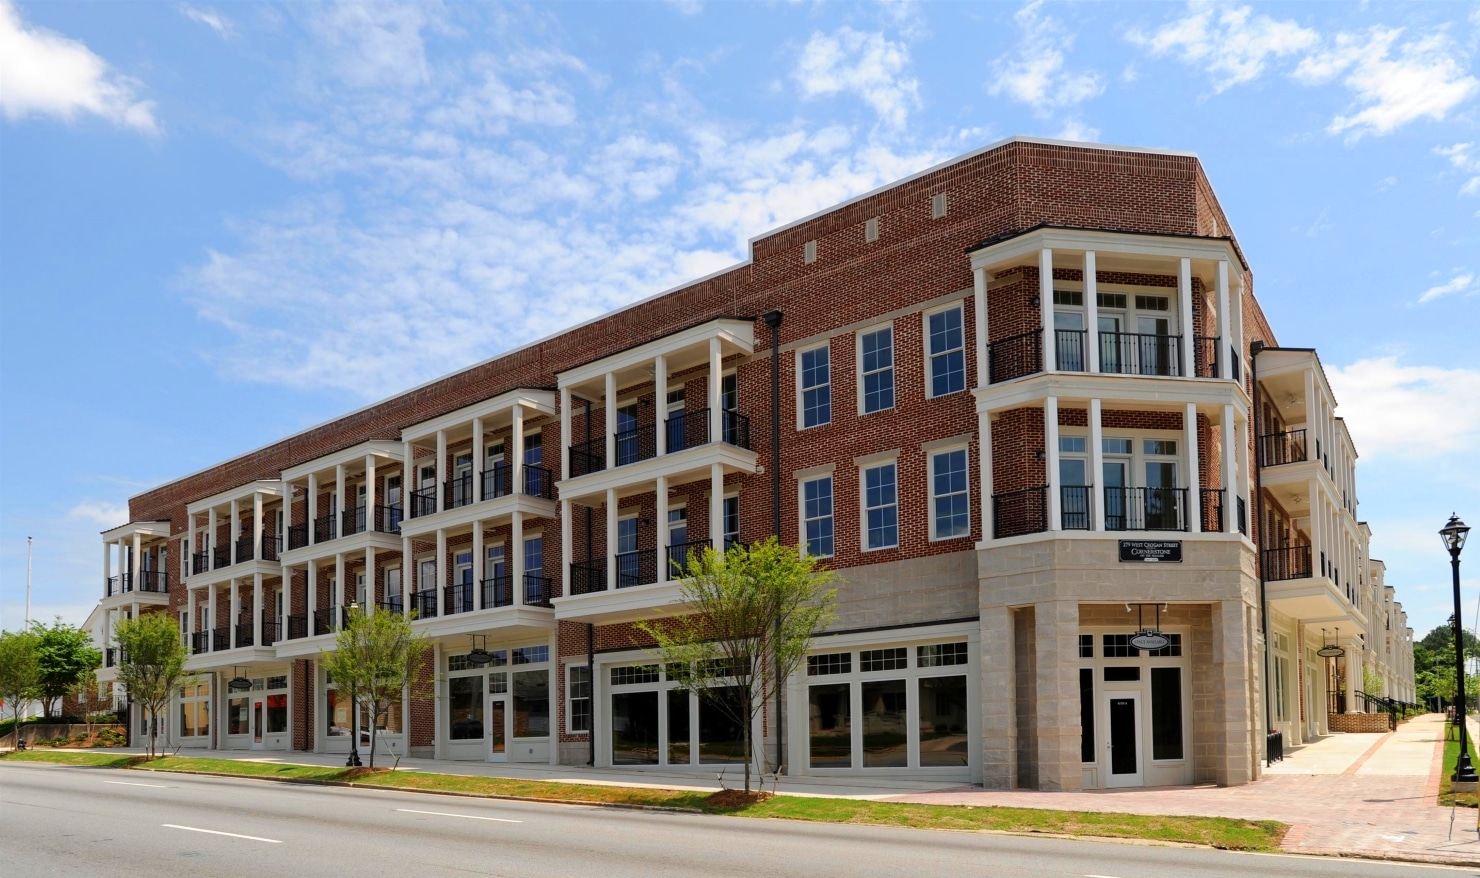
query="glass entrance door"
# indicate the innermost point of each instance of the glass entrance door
(498, 715)
(1123, 745)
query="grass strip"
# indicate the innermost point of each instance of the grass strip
(1218, 832)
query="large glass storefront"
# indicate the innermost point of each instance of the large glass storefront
(653, 721)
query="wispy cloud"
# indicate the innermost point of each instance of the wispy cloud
(867, 65)
(1462, 282)
(1465, 159)
(1036, 72)
(46, 74)
(1232, 44)
(1410, 411)
(210, 18)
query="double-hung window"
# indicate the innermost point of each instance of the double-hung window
(881, 506)
(876, 357)
(817, 516)
(947, 346)
(950, 507)
(816, 391)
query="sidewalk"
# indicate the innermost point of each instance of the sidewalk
(1365, 794)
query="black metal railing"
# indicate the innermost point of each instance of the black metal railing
(297, 625)
(539, 481)
(424, 501)
(636, 568)
(200, 562)
(1015, 356)
(1145, 508)
(677, 556)
(457, 492)
(1068, 346)
(1276, 449)
(392, 604)
(457, 598)
(1074, 509)
(352, 521)
(1205, 356)
(388, 519)
(1290, 562)
(324, 620)
(587, 577)
(1134, 353)
(537, 590)
(272, 547)
(497, 481)
(245, 635)
(324, 529)
(269, 632)
(221, 557)
(220, 639)
(587, 457)
(497, 592)
(200, 642)
(1015, 513)
(244, 547)
(425, 603)
(297, 536)
(636, 444)
(1212, 510)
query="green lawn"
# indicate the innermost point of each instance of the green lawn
(1220, 832)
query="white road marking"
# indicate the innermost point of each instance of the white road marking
(124, 783)
(217, 832)
(464, 816)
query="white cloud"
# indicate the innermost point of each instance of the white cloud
(1232, 44)
(1035, 73)
(211, 19)
(102, 513)
(1407, 411)
(1460, 283)
(45, 73)
(1466, 159)
(864, 64)
(1394, 83)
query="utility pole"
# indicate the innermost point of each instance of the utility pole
(28, 584)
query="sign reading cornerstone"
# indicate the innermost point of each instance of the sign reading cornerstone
(1151, 550)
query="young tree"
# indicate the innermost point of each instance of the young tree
(376, 658)
(20, 672)
(66, 656)
(753, 614)
(151, 665)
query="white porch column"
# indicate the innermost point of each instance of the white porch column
(611, 537)
(1226, 344)
(1091, 313)
(984, 472)
(1051, 457)
(478, 565)
(408, 581)
(1194, 470)
(257, 525)
(235, 602)
(516, 449)
(516, 555)
(1045, 309)
(567, 544)
(660, 404)
(1230, 472)
(233, 530)
(1184, 300)
(441, 470)
(256, 609)
(979, 306)
(609, 413)
(661, 494)
(716, 376)
(716, 507)
(441, 578)
(210, 539)
(311, 507)
(480, 459)
(1096, 465)
(565, 413)
(370, 499)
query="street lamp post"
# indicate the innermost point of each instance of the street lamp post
(1453, 534)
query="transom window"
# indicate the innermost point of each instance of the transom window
(877, 360)
(816, 391)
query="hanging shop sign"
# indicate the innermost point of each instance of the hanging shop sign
(1151, 550)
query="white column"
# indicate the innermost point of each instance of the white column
(441, 578)
(1045, 309)
(1051, 457)
(660, 403)
(480, 459)
(610, 415)
(311, 507)
(979, 305)
(516, 554)
(236, 611)
(567, 544)
(661, 493)
(408, 583)
(1096, 465)
(256, 609)
(984, 472)
(441, 470)
(257, 525)
(369, 605)
(516, 448)
(478, 554)
(211, 530)
(716, 375)
(1194, 470)
(1230, 470)
(565, 413)
(1225, 324)
(233, 530)
(611, 537)
(1184, 297)
(1091, 312)
(716, 507)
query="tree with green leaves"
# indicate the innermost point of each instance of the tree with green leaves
(376, 658)
(20, 672)
(151, 665)
(66, 656)
(752, 615)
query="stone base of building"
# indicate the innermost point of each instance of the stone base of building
(1358, 722)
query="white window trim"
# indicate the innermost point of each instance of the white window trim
(863, 505)
(858, 367)
(591, 683)
(802, 481)
(801, 415)
(958, 305)
(930, 487)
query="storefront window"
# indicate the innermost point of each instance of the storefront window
(635, 728)
(531, 703)
(830, 726)
(465, 708)
(1166, 713)
(943, 740)
(885, 730)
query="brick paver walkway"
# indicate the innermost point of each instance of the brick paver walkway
(1373, 795)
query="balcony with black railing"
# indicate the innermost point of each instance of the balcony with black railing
(537, 590)
(1278, 449)
(458, 599)
(1015, 356)
(1149, 509)
(587, 577)
(220, 639)
(1015, 513)
(1289, 562)
(498, 591)
(297, 626)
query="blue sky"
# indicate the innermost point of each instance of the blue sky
(221, 223)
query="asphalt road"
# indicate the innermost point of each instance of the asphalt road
(65, 821)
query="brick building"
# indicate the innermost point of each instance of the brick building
(1017, 414)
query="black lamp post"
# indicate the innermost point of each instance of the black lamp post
(1454, 534)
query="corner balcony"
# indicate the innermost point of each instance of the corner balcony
(692, 445)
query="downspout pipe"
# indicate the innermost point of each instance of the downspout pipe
(1255, 347)
(773, 320)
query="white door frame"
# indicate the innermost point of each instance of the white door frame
(1113, 780)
